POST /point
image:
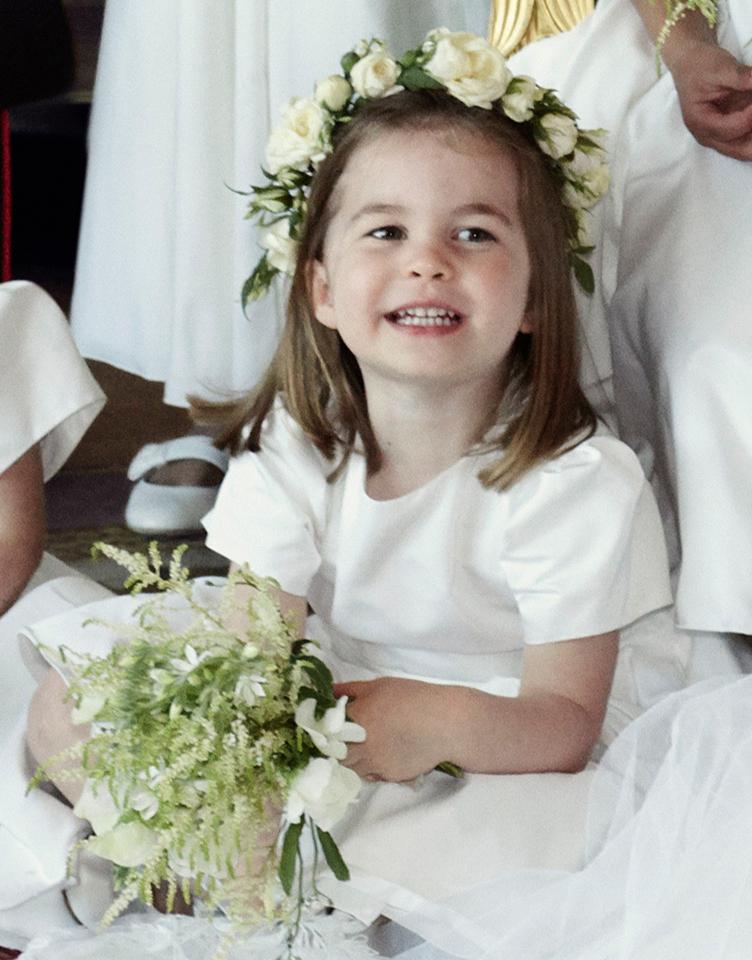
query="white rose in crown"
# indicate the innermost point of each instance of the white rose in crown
(557, 135)
(281, 249)
(333, 92)
(323, 791)
(332, 731)
(584, 192)
(520, 99)
(470, 68)
(297, 140)
(584, 161)
(375, 75)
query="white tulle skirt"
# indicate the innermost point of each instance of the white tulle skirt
(668, 872)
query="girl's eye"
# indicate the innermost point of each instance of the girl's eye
(387, 233)
(475, 235)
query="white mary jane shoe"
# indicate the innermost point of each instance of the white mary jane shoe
(155, 508)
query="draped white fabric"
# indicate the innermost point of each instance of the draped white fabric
(673, 254)
(184, 98)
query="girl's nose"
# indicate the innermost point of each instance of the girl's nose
(428, 262)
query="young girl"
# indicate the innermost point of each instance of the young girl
(421, 469)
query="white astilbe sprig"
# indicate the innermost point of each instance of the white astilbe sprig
(195, 747)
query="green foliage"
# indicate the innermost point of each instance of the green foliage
(195, 738)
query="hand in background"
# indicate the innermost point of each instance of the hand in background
(715, 94)
(401, 719)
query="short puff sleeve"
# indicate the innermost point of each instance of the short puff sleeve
(271, 506)
(584, 552)
(47, 395)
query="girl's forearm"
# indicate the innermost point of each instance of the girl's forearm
(533, 733)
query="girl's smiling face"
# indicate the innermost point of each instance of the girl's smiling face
(426, 271)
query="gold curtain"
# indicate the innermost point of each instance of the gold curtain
(515, 23)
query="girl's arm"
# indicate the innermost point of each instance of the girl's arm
(22, 524)
(551, 726)
(714, 89)
(290, 605)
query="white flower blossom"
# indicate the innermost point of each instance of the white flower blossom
(323, 791)
(97, 805)
(249, 688)
(333, 731)
(472, 69)
(144, 801)
(127, 844)
(297, 140)
(375, 75)
(191, 661)
(281, 253)
(333, 92)
(520, 99)
(557, 135)
(583, 192)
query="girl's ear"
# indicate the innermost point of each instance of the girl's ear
(528, 323)
(318, 282)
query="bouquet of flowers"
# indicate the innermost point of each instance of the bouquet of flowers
(213, 752)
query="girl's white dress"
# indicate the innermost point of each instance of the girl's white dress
(185, 95)
(447, 584)
(674, 287)
(49, 398)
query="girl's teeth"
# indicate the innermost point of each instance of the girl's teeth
(425, 317)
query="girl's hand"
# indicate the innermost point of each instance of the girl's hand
(715, 94)
(402, 719)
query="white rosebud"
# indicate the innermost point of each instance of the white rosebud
(128, 844)
(520, 99)
(296, 141)
(375, 75)
(583, 230)
(323, 791)
(584, 191)
(557, 135)
(281, 248)
(472, 69)
(333, 731)
(596, 181)
(333, 92)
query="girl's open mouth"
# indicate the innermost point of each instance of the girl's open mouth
(427, 318)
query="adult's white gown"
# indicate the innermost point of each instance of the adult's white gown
(674, 289)
(185, 95)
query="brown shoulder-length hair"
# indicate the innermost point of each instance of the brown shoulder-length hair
(542, 411)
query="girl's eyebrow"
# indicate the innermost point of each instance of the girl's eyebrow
(467, 209)
(391, 209)
(484, 209)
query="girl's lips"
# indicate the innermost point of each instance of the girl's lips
(425, 319)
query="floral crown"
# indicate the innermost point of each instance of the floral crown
(465, 66)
